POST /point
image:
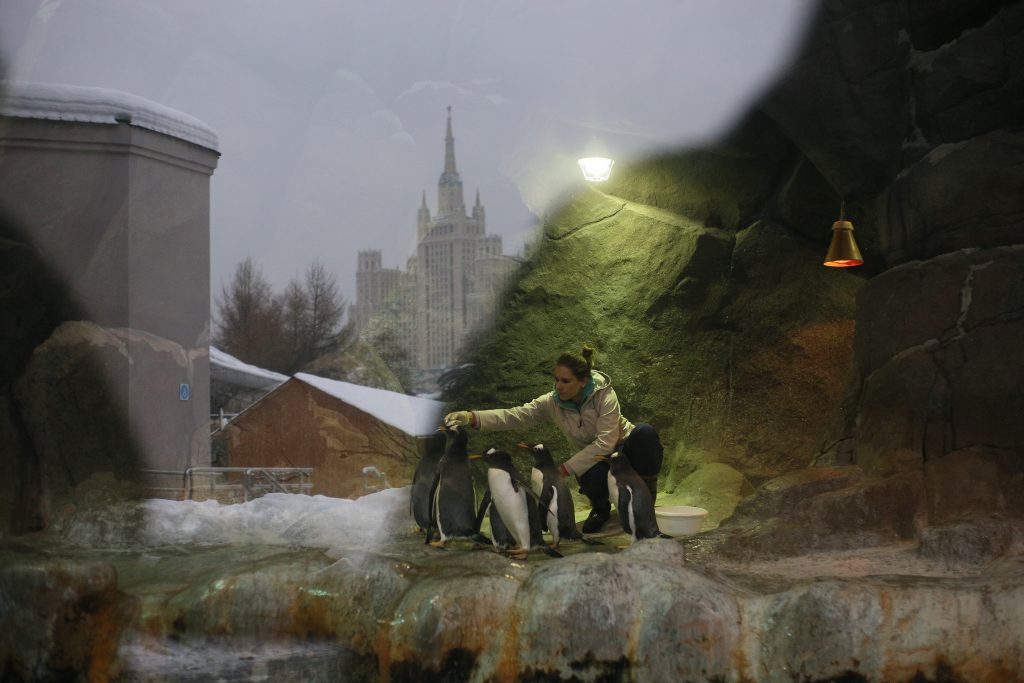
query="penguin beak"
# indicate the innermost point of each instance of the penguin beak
(524, 445)
(476, 456)
(602, 458)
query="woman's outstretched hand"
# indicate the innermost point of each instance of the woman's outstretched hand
(460, 418)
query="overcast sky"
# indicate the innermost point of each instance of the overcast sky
(331, 113)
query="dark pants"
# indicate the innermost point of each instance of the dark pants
(643, 449)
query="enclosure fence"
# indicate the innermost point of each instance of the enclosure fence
(227, 484)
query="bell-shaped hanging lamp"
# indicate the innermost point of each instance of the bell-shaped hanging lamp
(843, 252)
(596, 169)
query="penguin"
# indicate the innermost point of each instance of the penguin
(555, 506)
(635, 505)
(517, 513)
(500, 536)
(453, 498)
(423, 479)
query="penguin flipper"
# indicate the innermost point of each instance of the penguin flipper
(590, 541)
(432, 521)
(485, 501)
(544, 504)
(625, 500)
(480, 538)
(664, 535)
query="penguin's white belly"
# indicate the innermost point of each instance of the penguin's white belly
(632, 517)
(511, 505)
(553, 517)
(536, 481)
(613, 490)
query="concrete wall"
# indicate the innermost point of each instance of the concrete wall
(121, 214)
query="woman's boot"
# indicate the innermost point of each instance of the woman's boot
(600, 512)
(594, 485)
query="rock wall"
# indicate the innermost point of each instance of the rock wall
(698, 277)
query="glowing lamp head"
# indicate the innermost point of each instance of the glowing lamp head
(843, 252)
(596, 169)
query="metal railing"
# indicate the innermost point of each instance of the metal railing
(230, 484)
(247, 482)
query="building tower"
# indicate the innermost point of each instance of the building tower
(445, 260)
(451, 283)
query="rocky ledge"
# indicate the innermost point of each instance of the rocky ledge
(298, 588)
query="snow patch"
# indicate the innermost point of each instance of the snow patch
(274, 519)
(226, 368)
(413, 415)
(60, 102)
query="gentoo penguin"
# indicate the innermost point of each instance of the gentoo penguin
(613, 489)
(518, 513)
(453, 499)
(423, 480)
(635, 505)
(556, 506)
(500, 536)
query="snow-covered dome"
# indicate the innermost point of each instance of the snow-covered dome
(59, 102)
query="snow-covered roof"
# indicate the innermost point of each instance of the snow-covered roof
(60, 102)
(413, 415)
(228, 369)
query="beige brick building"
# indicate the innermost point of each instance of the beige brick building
(449, 287)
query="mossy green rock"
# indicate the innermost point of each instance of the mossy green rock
(696, 327)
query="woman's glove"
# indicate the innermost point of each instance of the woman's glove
(461, 418)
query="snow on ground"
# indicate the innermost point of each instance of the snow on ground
(280, 518)
(274, 519)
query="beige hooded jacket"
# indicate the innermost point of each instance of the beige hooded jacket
(595, 430)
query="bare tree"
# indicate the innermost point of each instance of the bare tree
(326, 306)
(294, 325)
(249, 326)
(284, 332)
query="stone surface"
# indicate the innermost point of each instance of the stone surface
(817, 509)
(697, 328)
(83, 414)
(716, 487)
(938, 370)
(370, 607)
(62, 621)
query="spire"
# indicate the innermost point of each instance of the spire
(423, 205)
(478, 197)
(449, 148)
(449, 187)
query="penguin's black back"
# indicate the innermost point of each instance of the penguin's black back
(455, 497)
(423, 479)
(555, 484)
(634, 492)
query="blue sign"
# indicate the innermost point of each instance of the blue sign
(184, 392)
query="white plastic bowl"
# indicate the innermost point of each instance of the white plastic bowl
(680, 520)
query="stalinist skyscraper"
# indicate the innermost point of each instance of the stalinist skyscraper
(450, 285)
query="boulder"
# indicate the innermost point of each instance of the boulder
(95, 400)
(937, 364)
(62, 619)
(716, 487)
